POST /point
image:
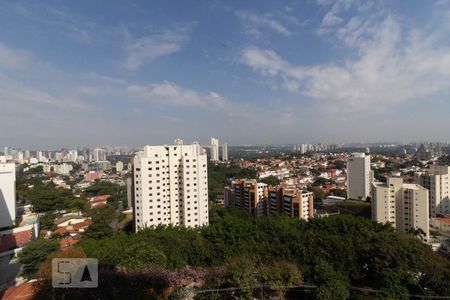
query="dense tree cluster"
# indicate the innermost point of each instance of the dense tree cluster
(219, 176)
(331, 253)
(34, 254)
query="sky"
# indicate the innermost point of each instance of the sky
(96, 73)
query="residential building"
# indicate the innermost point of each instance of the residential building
(404, 205)
(260, 199)
(359, 176)
(298, 203)
(294, 202)
(224, 152)
(228, 196)
(93, 175)
(436, 180)
(250, 195)
(442, 224)
(7, 193)
(98, 154)
(119, 166)
(214, 149)
(170, 186)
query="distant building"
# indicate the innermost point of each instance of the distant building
(170, 186)
(119, 166)
(93, 175)
(428, 151)
(436, 180)
(214, 149)
(224, 152)
(7, 193)
(359, 176)
(442, 224)
(403, 205)
(98, 154)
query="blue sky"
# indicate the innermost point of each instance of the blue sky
(249, 72)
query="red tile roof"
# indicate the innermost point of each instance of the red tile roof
(75, 227)
(15, 240)
(24, 291)
(444, 220)
(100, 198)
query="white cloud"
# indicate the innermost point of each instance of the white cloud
(331, 19)
(391, 67)
(144, 50)
(14, 58)
(256, 22)
(168, 93)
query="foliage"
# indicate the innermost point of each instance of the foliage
(219, 176)
(101, 217)
(118, 193)
(332, 253)
(271, 180)
(339, 193)
(47, 221)
(102, 214)
(317, 191)
(34, 254)
(323, 181)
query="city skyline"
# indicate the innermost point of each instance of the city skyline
(250, 73)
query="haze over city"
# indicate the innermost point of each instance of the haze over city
(84, 73)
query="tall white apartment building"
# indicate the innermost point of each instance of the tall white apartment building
(7, 193)
(404, 205)
(224, 152)
(214, 149)
(99, 154)
(359, 176)
(436, 180)
(170, 186)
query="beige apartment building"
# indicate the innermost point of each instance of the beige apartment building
(436, 180)
(403, 205)
(262, 200)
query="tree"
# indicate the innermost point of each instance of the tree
(271, 180)
(331, 284)
(98, 231)
(339, 193)
(279, 275)
(318, 193)
(47, 221)
(102, 214)
(34, 254)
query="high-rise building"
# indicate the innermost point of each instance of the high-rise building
(260, 199)
(214, 149)
(250, 195)
(293, 202)
(170, 186)
(224, 152)
(119, 166)
(403, 205)
(436, 180)
(7, 193)
(72, 155)
(41, 157)
(98, 154)
(359, 176)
